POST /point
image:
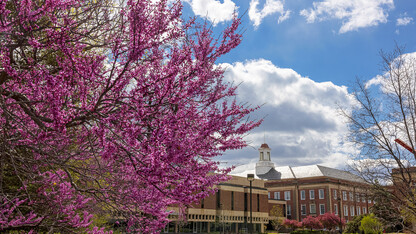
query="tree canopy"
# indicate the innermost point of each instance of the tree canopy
(110, 107)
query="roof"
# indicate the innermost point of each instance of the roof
(288, 172)
(264, 145)
(272, 174)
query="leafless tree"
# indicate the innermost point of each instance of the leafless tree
(383, 126)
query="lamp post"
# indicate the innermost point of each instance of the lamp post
(339, 214)
(250, 178)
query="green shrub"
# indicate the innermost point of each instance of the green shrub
(371, 225)
(353, 226)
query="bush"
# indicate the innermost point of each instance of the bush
(353, 226)
(331, 221)
(371, 225)
(292, 224)
(307, 232)
(311, 223)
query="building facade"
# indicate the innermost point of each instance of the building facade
(292, 192)
(312, 190)
(318, 195)
(228, 210)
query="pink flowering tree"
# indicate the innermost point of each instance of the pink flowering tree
(292, 224)
(331, 221)
(311, 222)
(110, 107)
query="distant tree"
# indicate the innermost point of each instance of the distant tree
(276, 217)
(371, 225)
(385, 210)
(385, 111)
(110, 107)
(331, 221)
(353, 226)
(311, 222)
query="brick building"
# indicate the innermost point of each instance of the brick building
(227, 210)
(319, 191)
(296, 191)
(311, 190)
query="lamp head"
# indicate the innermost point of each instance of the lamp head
(250, 177)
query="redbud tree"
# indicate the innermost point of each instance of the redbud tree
(110, 109)
(311, 222)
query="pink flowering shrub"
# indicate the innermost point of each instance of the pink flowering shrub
(331, 221)
(311, 222)
(292, 224)
(110, 107)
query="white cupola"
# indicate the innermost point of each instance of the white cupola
(264, 164)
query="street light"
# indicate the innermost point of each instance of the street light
(250, 177)
(339, 214)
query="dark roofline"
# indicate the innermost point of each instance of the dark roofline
(313, 180)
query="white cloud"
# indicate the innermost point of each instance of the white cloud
(213, 10)
(355, 14)
(406, 63)
(302, 124)
(378, 80)
(404, 21)
(270, 7)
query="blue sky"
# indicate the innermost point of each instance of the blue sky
(300, 58)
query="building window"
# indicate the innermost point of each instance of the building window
(268, 195)
(364, 210)
(268, 156)
(369, 200)
(321, 209)
(258, 202)
(336, 209)
(352, 211)
(321, 194)
(335, 194)
(245, 201)
(351, 196)
(312, 208)
(358, 210)
(287, 195)
(261, 156)
(288, 210)
(357, 197)
(232, 200)
(202, 203)
(311, 194)
(277, 195)
(345, 210)
(302, 195)
(344, 195)
(219, 199)
(303, 209)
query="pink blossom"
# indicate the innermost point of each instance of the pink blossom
(111, 110)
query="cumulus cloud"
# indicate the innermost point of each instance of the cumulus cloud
(355, 14)
(213, 10)
(302, 124)
(406, 63)
(269, 8)
(404, 21)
